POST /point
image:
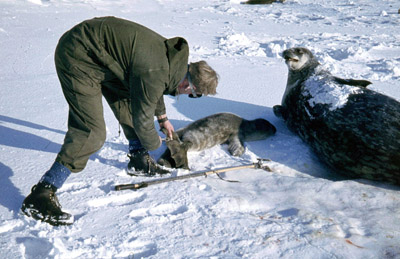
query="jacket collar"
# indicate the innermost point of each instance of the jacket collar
(178, 55)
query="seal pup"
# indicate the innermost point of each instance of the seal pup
(220, 128)
(353, 130)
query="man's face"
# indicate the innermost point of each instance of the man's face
(184, 88)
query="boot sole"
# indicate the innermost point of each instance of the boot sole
(132, 172)
(35, 214)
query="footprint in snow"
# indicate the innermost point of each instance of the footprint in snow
(117, 200)
(160, 210)
(34, 247)
(137, 248)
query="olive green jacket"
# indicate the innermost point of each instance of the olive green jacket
(146, 63)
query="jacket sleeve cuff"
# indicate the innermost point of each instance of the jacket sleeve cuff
(160, 108)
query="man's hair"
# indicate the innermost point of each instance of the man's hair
(204, 77)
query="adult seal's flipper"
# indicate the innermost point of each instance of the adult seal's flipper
(352, 82)
(280, 111)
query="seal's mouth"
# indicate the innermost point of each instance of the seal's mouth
(292, 59)
(288, 55)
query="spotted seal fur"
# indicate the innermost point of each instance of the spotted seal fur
(220, 128)
(352, 129)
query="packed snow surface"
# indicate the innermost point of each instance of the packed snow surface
(299, 210)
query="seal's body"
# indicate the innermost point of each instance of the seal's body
(220, 128)
(354, 130)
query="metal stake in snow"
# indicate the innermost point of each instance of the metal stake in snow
(135, 186)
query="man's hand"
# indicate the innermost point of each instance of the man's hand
(168, 126)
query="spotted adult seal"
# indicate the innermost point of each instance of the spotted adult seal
(352, 129)
(220, 128)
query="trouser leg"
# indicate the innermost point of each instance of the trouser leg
(118, 98)
(86, 127)
(140, 161)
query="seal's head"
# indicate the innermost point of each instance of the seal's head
(253, 130)
(298, 58)
(301, 63)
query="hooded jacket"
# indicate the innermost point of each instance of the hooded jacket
(146, 63)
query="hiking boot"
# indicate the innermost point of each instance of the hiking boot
(142, 164)
(42, 204)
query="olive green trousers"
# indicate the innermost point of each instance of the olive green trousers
(84, 83)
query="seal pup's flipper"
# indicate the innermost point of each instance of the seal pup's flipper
(178, 151)
(166, 159)
(235, 146)
(176, 154)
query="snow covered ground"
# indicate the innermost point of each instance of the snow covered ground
(300, 210)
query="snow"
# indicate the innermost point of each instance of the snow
(330, 93)
(300, 210)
